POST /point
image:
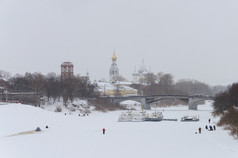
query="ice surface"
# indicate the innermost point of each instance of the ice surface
(71, 136)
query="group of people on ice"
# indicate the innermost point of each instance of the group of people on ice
(209, 128)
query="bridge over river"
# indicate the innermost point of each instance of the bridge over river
(146, 101)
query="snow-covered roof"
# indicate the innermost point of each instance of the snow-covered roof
(108, 86)
(124, 82)
(105, 86)
(3, 79)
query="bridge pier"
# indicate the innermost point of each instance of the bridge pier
(192, 104)
(145, 105)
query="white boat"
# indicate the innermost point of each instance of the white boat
(155, 116)
(190, 118)
(130, 116)
(139, 116)
(125, 117)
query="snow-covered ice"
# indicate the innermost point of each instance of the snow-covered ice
(71, 136)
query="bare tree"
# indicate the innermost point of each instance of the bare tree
(166, 80)
(68, 90)
(52, 86)
(192, 87)
(76, 87)
(166, 84)
(226, 103)
(150, 79)
(19, 83)
(36, 81)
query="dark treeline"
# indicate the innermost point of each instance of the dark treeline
(51, 86)
(226, 106)
(152, 84)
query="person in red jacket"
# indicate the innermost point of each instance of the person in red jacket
(103, 130)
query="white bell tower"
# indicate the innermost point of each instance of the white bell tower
(114, 71)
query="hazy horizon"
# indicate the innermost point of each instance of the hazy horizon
(188, 39)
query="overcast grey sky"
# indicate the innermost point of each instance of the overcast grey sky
(195, 39)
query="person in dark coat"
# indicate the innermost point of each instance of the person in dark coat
(206, 127)
(103, 130)
(210, 127)
(209, 120)
(214, 127)
(199, 130)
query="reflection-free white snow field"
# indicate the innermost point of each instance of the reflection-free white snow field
(71, 136)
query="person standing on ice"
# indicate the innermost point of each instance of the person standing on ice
(209, 121)
(199, 130)
(103, 130)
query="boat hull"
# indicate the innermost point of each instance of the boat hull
(189, 120)
(153, 119)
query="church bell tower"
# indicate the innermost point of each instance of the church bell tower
(114, 71)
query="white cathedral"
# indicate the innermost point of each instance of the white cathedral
(138, 75)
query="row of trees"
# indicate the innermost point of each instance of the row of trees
(156, 84)
(51, 86)
(226, 100)
(226, 106)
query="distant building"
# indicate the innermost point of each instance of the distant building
(67, 70)
(108, 89)
(138, 75)
(114, 71)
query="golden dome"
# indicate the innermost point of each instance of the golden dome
(114, 58)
